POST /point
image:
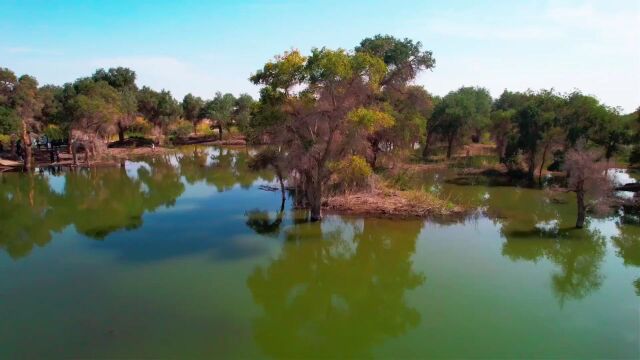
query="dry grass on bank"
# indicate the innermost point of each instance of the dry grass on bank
(383, 201)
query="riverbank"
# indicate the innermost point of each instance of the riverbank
(114, 154)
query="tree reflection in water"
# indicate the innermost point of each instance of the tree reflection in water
(627, 243)
(99, 201)
(578, 254)
(27, 219)
(336, 289)
(260, 221)
(96, 202)
(222, 168)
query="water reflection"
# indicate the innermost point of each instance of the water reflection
(336, 290)
(222, 168)
(627, 243)
(577, 253)
(263, 223)
(100, 201)
(537, 225)
(27, 219)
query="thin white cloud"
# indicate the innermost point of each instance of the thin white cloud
(28, 50)
(492, 32)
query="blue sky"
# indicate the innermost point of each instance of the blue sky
(206, 46)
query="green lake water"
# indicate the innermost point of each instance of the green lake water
(186, 256)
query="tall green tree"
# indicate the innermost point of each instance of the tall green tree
(535, 120)
(52, 104)
(242, 112)
(124, 81)
(158, 107)
(220, 110)
(191, 107)
(96, 108)
(169, 109)
(411, 108)
(404, 58)
(465, 109)
(9, 121)
(119, 78)
(317, 129)
(27, 105)
(611, 130)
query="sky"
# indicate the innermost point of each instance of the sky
(207, 46)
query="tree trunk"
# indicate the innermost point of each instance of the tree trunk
(501, 147)
(544, 158)
(74, 153)
(26, 141)
(282, 190)
(315, 199)
(532, 166)
(581, 207)
(374, 151)
(449, 146)
(425, 150)
(86, 154)
(220, 131)
(120, 133)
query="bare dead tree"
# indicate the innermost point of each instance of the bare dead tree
(587, 177)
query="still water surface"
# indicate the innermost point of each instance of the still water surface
(184, 256)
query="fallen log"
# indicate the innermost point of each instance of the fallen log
(10, 163)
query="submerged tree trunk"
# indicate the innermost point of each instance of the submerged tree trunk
(314, 196)
(26, 141)
(282, 190)
(581, 207)
(74, 154)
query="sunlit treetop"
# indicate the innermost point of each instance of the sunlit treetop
(404, 58)
(371, 119)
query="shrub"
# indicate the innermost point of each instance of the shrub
(54, 133)
(9, 121)
(140, 127)
(350, 173)
(204, 128)
(400, 179)
(181, 129)
(5, 141)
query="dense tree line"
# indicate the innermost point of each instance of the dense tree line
(333, 107)
(92, 110)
